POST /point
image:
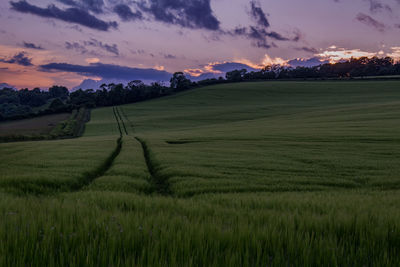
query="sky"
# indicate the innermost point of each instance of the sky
(67, 42)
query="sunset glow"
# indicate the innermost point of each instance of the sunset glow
(39, 48)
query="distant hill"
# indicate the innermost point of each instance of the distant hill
(218, 70)
(93, 84)
(6, 85)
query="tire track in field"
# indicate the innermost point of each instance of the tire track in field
(90, 176)
(158, 182)
(86, 178)
(130, 123)
(119, 118)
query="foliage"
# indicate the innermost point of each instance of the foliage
(58, 92)
(71, 127)
(353, 68)
(179, 81)
(17, 104)
(236, 75)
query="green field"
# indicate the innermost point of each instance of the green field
(244, 174)
(46, 127)
(38, 125)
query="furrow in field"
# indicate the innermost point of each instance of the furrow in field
(101, 170)
(106, 165)
(118, 123)
(118, 115)
(158, 182)
(130, 123)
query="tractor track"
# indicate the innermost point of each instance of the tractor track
(90, 176)
(119, 117)
(159, 183)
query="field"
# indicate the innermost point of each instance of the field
(48, 127)
(38, 125)
(244, 174)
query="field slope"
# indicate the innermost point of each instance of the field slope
(245, 174)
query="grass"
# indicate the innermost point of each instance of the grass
(249, 174)
(47, 127)
(38, 125)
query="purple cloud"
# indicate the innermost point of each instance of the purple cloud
(109, 71)
(371, 22)
(20, 59)
(71, 15)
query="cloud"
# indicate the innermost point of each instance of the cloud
(335, 54)
(169, 56)
(260, 34)
(253, 33)
(95, 6)
(395, 53)
(307, 62)
(71, 15)
(109, 71)
(277, 36)
(92, 60)
(269, 61)
(126, 14)
(307, 49)
(258, 14)
(32, 46)
(189, 14)
(194, 72)
(376, 6)
(83, 48)
(6, 85)
(76, 46)
(20, 59)
(229, 66)
(371, 22)
(111, 48)
(217, 69)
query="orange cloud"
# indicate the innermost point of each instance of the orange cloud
(395, 54)
(159, 67)
(209, 68)
(30, 77)
(269, 61)
(92, 60)
(334, 54)
(194, 72)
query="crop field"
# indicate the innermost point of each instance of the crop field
(39, 125)
(244, 174)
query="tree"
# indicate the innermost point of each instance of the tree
(235, 75)
(135, 83)
(58, 91)
(180, 82)
(57, 105)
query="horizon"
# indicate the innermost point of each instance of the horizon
(66, 42)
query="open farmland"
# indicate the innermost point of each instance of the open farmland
(244, 174)
(38, 125)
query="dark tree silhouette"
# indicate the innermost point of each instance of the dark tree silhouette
(179, 81)
(18, 104)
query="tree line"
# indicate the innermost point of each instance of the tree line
(17, 104)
